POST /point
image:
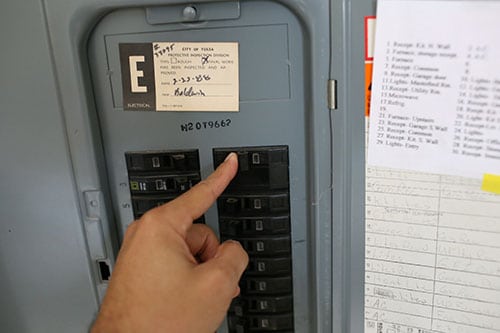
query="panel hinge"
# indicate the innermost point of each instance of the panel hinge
(332, 94)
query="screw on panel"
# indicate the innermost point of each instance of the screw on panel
(190, 13)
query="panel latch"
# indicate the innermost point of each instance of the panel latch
(332, 94)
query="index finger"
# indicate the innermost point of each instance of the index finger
(195, 202)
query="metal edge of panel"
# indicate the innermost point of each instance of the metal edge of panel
(315, 19)
(346, 65)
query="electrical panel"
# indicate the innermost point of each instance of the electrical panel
(141, 101)
(153, 156)
(255, 210)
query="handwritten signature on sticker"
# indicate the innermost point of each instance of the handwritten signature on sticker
(189, 92)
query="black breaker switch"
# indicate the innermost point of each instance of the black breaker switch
(254, 225)
(265, 246)
(255, 210)
(253, 204)
(260, 168)
(269, 266)
(262, 323)
(261, 304)
(157, 177)
(142, 203)
(164, 161)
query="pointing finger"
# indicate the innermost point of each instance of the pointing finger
(195, 202)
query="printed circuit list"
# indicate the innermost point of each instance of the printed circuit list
(405, 81)
(436, 91)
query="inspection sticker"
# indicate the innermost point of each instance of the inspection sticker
(173, 76)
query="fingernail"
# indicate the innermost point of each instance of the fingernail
(232, 241)
(228, 157)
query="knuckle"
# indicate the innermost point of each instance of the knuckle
(220, 277)
(148, 219)
(205, 230)
(237, 249)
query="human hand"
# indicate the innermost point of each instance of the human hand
(172, 275)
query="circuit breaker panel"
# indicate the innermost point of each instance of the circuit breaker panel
(178, 86)
(255, 210)
(152, 156)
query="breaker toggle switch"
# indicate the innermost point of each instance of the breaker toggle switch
(171, 161)
(243, 164)
(239, 307)
(261, 304)
(141, 204)
(254, 225)
(256, 323)
(260, 168)
(269, 266)
(252, 204)
(264, 245)
(266, 285)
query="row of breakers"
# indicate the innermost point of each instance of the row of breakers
(254, 209)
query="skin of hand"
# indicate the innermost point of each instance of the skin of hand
(172, 275)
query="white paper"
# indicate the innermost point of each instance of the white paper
(436, 87)
(432, 254)
(196, 76)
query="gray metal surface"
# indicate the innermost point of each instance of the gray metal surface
(348, 147)
(272, 111)
(45, 274)
(62, 140)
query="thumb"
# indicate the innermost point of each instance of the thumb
(224, 270)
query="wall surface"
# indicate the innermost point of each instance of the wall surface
(44, 271)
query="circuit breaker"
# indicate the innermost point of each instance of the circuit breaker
(157, 177)
(151, 96)
(255, 210)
